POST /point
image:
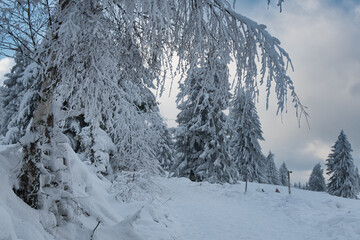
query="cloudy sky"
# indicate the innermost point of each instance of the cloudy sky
(322, 38)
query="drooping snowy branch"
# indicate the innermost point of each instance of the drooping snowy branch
(242, 40)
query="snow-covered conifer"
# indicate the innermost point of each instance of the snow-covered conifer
(165, 152)
(317, 180)
(272, 172)
(201, 137)
(245, 136)
(358, 177)
(283, 174)
(20, 97)
(343, 180)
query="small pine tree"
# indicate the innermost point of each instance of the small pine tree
(283, 174)
(245, 147)
(343, 180)
(317, 180)
(271, 170)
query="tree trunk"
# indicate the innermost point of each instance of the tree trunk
(38, 144)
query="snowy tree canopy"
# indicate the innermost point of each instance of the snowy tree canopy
(245, 136)
(97, 61)
(343, 180)
(317, 180)
(162, 27)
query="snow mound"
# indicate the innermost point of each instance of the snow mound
(98, 215)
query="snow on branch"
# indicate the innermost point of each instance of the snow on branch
(249, 36)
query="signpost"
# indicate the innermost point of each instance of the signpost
(289, 181)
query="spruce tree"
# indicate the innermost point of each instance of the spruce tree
(201, 137)
(358, 177)
(165, 152)
(283, 174)
(20, 96)
(343, 180)
(271, 171)
(317, 180)
(245, 137)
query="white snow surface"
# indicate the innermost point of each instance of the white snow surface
(182, 210)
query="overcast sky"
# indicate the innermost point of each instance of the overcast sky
(322, 38)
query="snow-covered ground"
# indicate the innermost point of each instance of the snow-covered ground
(214, 212)
(180, 210)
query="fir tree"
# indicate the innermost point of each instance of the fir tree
(20, 97)
(165, 153)
(358, 177)
(245, 147)
(343, 180)
(283, 174)
(271, 170)
(317, 180)
(201, 138)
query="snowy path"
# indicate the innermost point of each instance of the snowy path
(214, 212)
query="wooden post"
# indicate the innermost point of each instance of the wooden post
(289, 181)
(246, 182)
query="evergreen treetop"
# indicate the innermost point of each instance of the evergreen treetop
(343, 180)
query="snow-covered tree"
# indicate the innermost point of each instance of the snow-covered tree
(343, 180)
(201, 138)
(358, 177)
(13, 86)
(317, 180)
(271, 170)
(283, 174)
(165, 152)
(245, 136)
(20, 97)
(97, 60)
